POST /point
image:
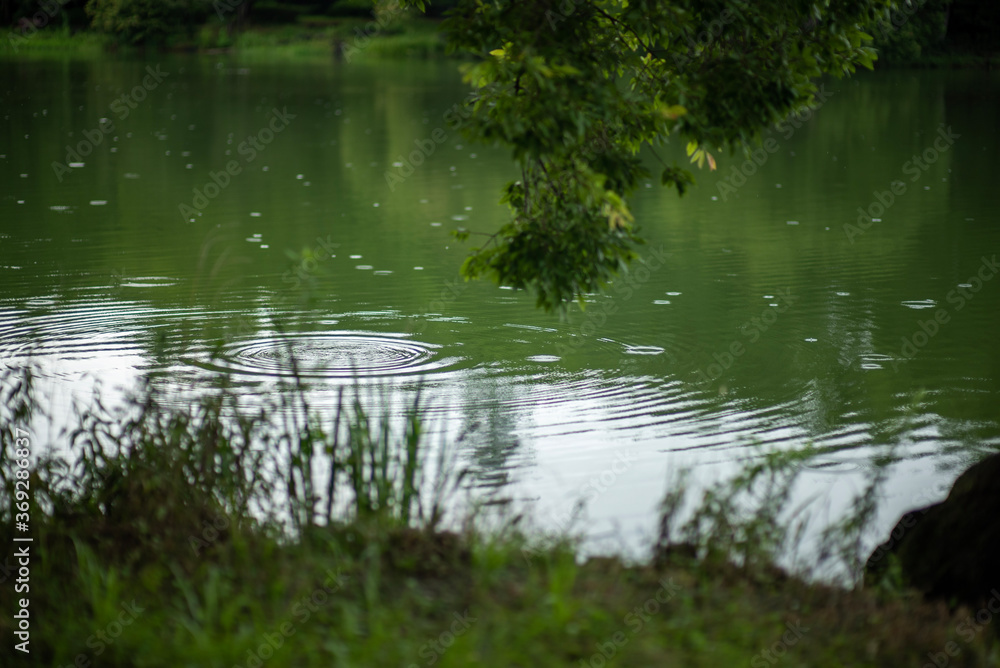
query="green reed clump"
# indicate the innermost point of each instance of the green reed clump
(206, 534)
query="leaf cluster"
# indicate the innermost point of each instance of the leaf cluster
(576, 88)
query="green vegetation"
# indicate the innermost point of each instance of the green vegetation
(552, 82)
(214, 536)
(575, 90)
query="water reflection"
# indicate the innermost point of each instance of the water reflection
(308, 253)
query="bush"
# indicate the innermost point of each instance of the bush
(276, 12)
(145, 21)
(907, 36)
(351, 8)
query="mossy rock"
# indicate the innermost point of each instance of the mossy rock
(949, 550)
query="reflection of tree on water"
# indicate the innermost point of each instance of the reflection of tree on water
(488, 436)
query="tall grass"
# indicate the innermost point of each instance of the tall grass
(225, 535)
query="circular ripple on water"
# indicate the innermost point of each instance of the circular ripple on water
(329, 355)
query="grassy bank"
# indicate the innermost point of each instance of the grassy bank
(401, 36)
(347, 39)
(214, 536)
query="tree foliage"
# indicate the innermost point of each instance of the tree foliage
(142, 21)
(576, 87)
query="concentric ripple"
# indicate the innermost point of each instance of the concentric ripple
(341, 354)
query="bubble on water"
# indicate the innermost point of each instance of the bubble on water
(644, 350)
(791, 222)
(544, 358)
(418, 268)
(355, 257)
(300, 176)
(98, 202)
(255, 214)
(364, 267)
(661, 302)
(435, 224)
(919, 303)
(77, 165)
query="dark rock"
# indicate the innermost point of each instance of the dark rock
(950, 550)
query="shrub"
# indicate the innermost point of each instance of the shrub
(146, 21)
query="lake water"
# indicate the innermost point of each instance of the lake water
(757, 320)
